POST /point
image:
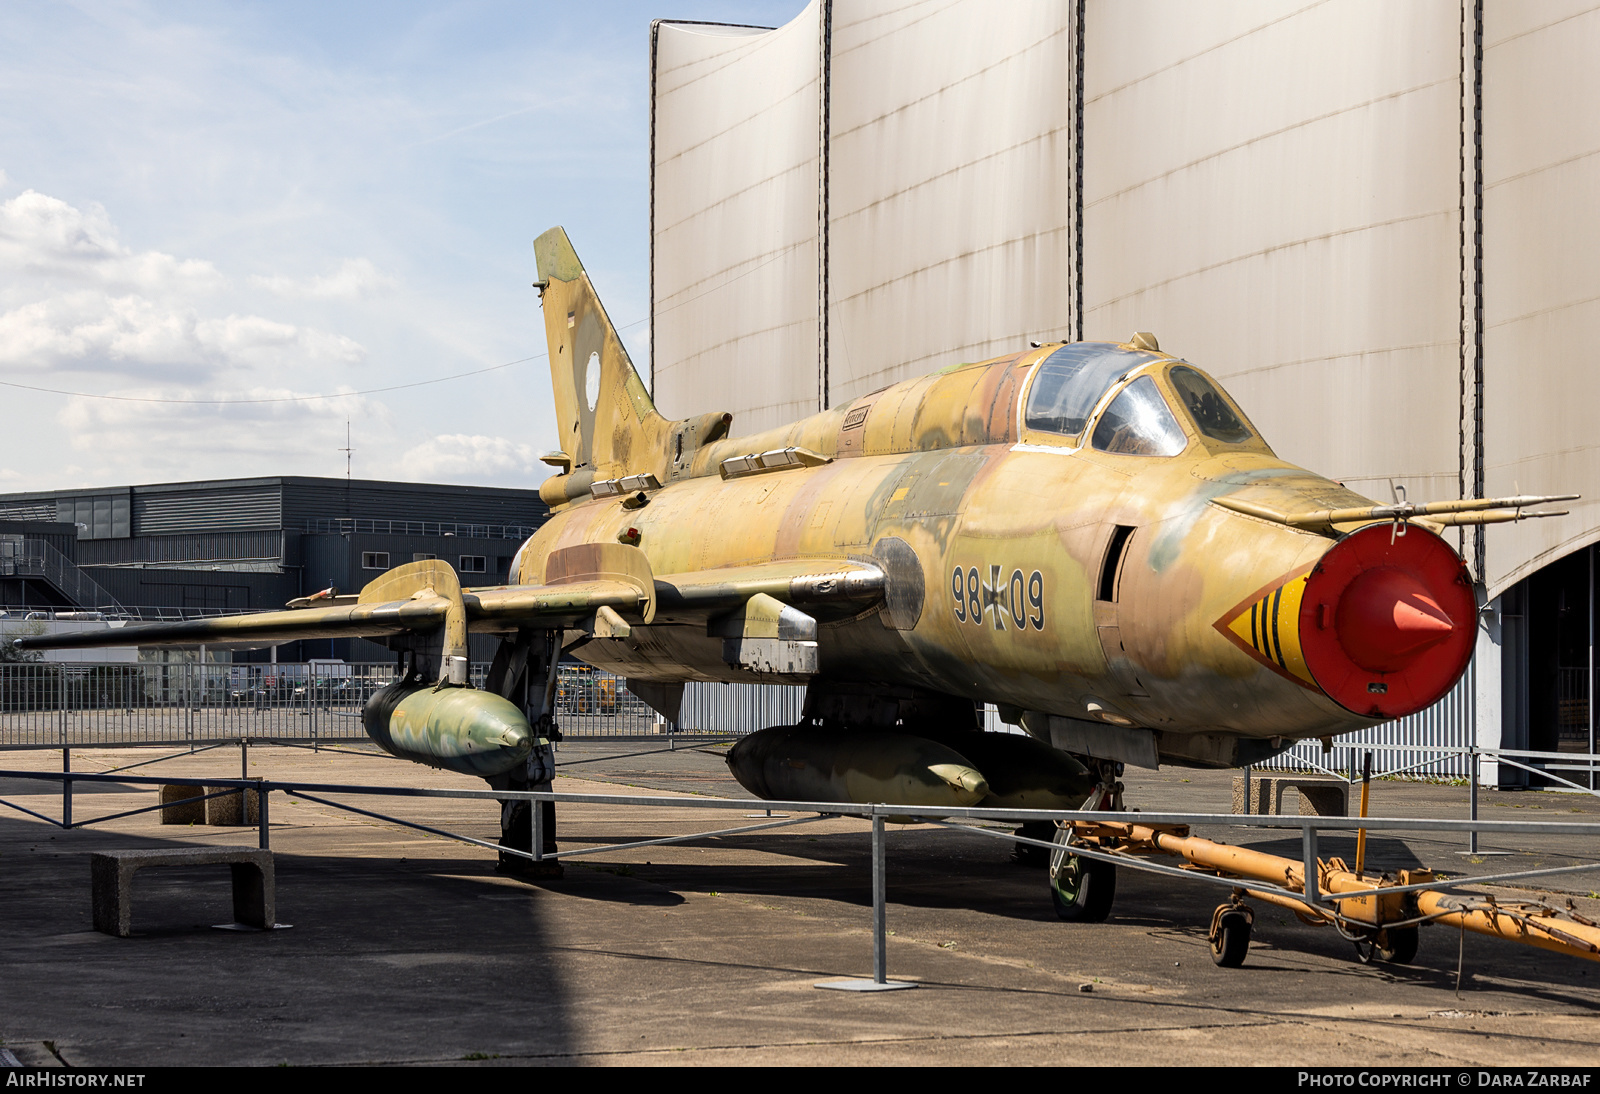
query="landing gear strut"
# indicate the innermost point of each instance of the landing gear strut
(1082, 888)
(516, 821)
(524, 671)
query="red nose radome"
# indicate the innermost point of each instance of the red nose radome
(1386, 619)
(1387, 623)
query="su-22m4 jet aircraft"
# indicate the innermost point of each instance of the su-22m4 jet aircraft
(1091, 536)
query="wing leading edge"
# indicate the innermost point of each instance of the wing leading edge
(584, 586)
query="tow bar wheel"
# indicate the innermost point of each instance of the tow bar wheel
(1230, 934)
(1396, 945)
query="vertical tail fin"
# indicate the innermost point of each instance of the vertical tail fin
(607, 423)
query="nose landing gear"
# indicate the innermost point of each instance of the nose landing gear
(1083, 889)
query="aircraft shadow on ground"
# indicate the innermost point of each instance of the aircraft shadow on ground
(379, 949)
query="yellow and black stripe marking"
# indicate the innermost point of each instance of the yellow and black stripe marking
(1268, 628)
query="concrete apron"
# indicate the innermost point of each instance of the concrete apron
(411, 949)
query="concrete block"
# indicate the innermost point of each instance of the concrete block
(1319, 796)
(1259, 799)
(1331, 799)
(226, 812)
(176, 810)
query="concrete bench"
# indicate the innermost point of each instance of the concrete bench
(1319, 796)
(111, 874)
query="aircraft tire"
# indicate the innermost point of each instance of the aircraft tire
(1084, 889)
(1232, 941)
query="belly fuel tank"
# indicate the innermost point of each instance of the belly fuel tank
(814, 763)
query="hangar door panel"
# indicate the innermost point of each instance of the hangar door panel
(734, 213)
(1541, 292)
(950, 190)
(1276, 194)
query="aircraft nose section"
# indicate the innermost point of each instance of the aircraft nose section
(1382, 624)
(1386, 619)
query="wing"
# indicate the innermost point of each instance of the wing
(582, 585)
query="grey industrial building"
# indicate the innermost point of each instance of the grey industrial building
(174, 550)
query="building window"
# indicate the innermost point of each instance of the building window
(472, 564)
(421, 556)
(374, 560)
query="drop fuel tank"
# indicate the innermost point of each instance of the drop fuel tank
(457, 728)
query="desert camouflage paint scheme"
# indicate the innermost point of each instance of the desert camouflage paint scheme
(1005, 577)
(1090, 536)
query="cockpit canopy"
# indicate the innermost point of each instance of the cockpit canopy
(1140, 419)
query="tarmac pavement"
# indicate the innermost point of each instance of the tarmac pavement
(408, 948)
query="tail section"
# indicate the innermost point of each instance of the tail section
(607, 423)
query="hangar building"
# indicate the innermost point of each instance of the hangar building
(175, 550)
(1374, 222)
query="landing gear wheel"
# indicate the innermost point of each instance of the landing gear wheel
(1230, 938)
(1082, 889)
(1395, 945)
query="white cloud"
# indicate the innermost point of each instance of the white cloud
(134, 334)
(355, 277)
(75, 298)
(455, 456)
(42, 236)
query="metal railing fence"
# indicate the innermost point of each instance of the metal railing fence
(54, 705)
(1433, 743)
(1439, 743)
(963, 819)
(40, 558)
(133, 613)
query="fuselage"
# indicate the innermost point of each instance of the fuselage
(1045, 549)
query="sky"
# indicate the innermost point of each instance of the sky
(211, 210)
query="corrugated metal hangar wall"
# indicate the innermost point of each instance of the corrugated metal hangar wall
(1374, 222)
